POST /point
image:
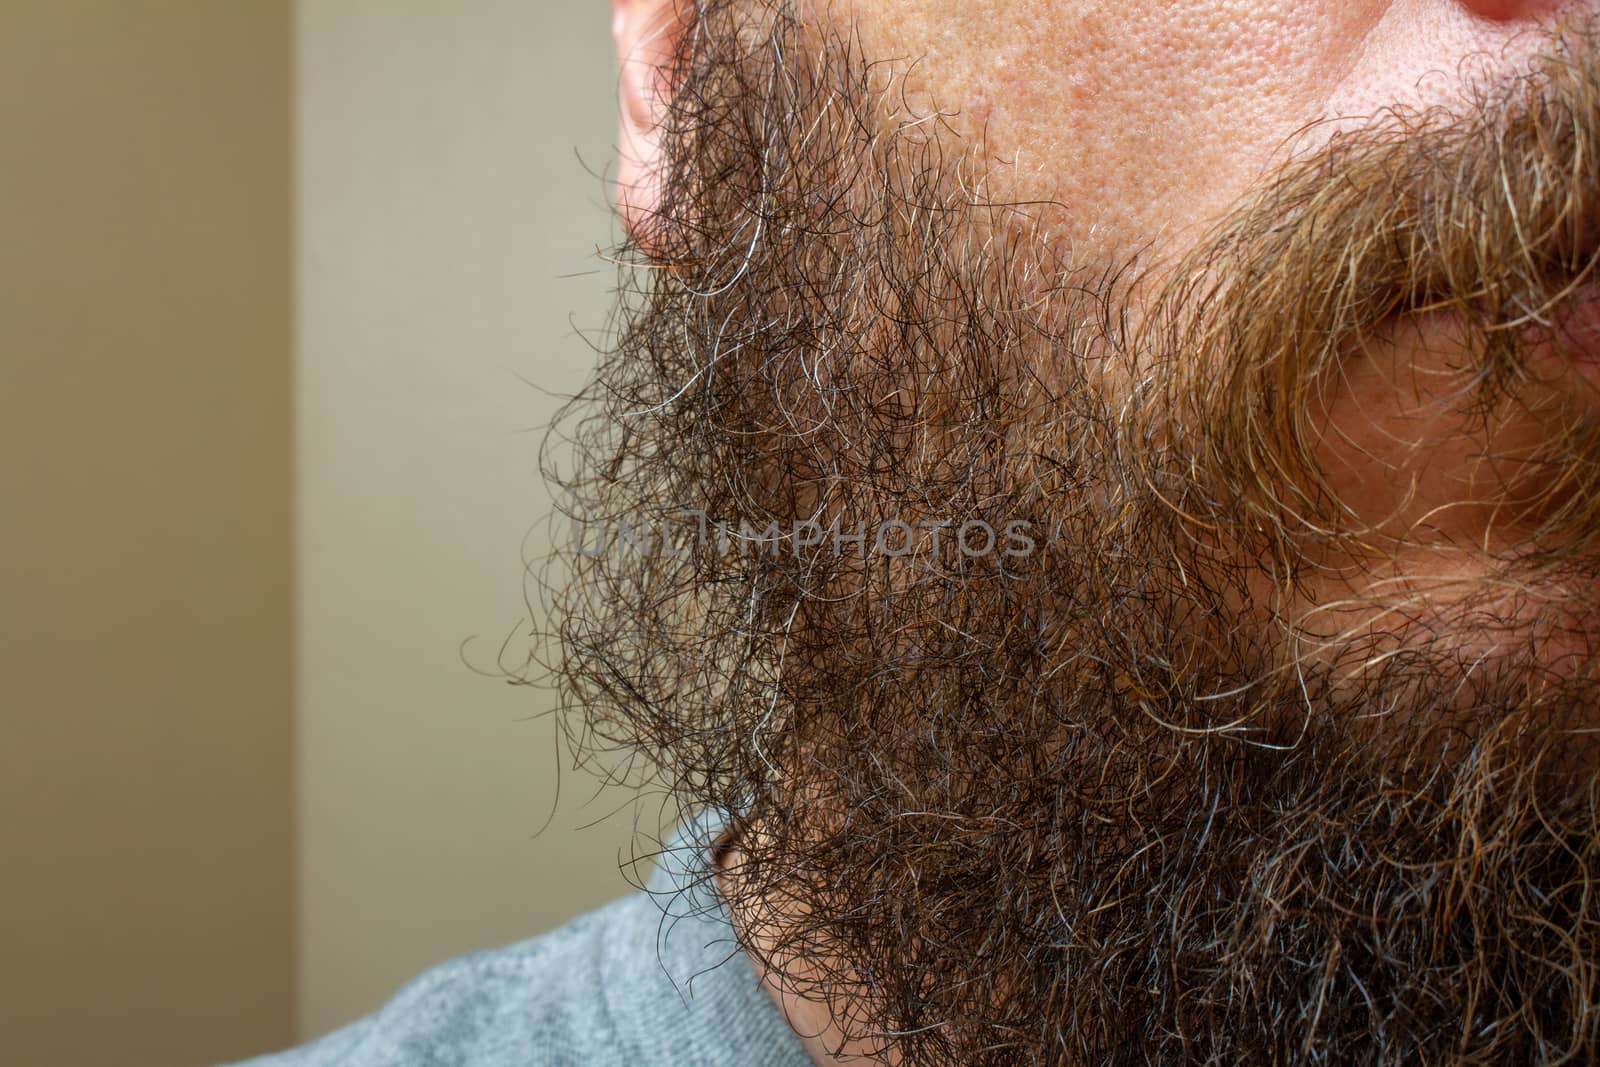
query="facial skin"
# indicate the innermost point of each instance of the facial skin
(1146, 119)
(1276, 750)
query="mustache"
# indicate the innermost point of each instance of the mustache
(1489, 213)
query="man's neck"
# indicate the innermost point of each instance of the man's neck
(808, 1016)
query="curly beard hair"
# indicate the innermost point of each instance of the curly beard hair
(1112, 799)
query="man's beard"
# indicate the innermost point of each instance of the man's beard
(1115, 798)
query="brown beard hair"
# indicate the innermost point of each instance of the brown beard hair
(1093, 803)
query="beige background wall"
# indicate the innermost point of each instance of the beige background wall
(145, 715)
(191, 854)
(447, 234)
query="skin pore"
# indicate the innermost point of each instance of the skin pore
(1273, 320)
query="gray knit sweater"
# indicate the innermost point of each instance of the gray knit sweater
(654, 978)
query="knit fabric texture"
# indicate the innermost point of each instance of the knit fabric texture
(653, 978)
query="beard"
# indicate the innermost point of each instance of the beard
(1192, 763)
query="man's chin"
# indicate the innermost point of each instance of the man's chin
(1226, 900)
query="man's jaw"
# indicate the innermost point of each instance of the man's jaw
(1059, 807)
